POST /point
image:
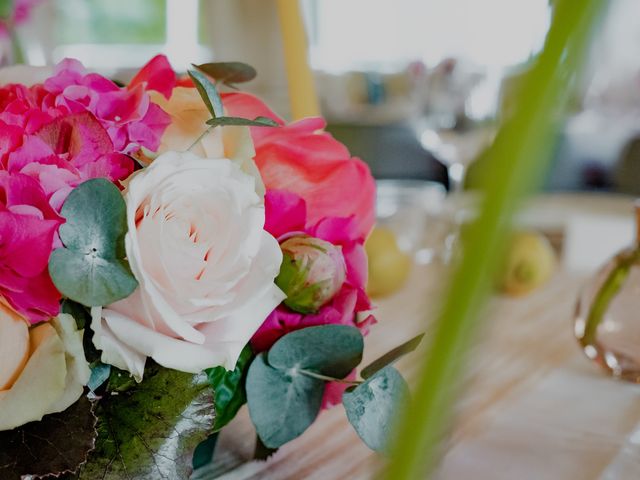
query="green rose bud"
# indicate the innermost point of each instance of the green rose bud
(311, 274)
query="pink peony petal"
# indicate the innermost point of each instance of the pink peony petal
(156, 75)
(285, 212)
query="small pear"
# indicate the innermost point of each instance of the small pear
(389, 267)
(529, 264)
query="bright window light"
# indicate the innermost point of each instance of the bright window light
(360, 34)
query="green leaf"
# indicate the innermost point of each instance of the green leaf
(229, 73)
(208, 92)
(332, 350)
(77, 311)
(100, 373)
(519, 157)
(391, 356)
(372, 407)
(90, 269)
(152, 430)
(242, 122)
(56, 445)
(282, 403)
(6, 7)
(203, 453)
(228, 388)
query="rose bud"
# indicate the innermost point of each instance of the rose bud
(312, 272)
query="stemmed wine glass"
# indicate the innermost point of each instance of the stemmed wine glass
(456, 123)
(457, 120)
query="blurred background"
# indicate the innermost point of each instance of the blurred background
(414, 87)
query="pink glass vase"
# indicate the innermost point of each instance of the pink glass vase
(607, 318)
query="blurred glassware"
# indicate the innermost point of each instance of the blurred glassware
(456, 121)
(6, 51)
(413, 211)
(606, 321)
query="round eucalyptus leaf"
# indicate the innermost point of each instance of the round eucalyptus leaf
(333, 350)
(373, 407)
(91, 269)
(229, 72)
(282, 403)
(89, 279)
(96, 219)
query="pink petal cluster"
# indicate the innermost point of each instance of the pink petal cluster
(302, 158)
(286, 215)
(27, 228)
(73, 127)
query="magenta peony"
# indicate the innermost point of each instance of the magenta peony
(27, 228)
(53, 136)
(286, 216)
(301, 158)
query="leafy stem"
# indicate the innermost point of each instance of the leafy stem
(326, 378)
(200, 137)
(607, 292)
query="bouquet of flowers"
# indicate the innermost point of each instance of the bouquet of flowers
(169, 252)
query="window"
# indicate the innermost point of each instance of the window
(120, 34)
(374, 34)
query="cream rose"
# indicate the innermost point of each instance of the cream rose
(43, 369)
(188, 131)
(206, 268)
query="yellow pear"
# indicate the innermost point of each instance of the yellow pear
(389, 267)
(529, 264)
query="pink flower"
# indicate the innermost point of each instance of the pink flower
(54, 136)
(303, 159)
(27, 228)
(298, 157)
(128, 115)
(286, 214)
(62, 154)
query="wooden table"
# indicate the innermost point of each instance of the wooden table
(533, 407)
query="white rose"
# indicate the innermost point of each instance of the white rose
(205, 265)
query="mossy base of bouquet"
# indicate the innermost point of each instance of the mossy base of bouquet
(137, 431)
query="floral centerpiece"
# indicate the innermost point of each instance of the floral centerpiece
(168, 253)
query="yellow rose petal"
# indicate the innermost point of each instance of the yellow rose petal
(41, 383)
(14, 346)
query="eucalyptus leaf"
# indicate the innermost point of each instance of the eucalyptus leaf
(203, 453)
(208, 92)
(229, 73)
(282, 403)
(151, 431)
(57, 445)
(228, 388)
(90, 269)
(99, 375)
(77, 311)
(332, 350)
(242, 122)
(373, 406)
(391, 356)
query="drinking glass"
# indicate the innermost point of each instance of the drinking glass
(456, 123)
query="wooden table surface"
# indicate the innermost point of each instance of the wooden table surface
(533, 407)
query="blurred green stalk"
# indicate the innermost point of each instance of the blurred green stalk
(518, 160)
